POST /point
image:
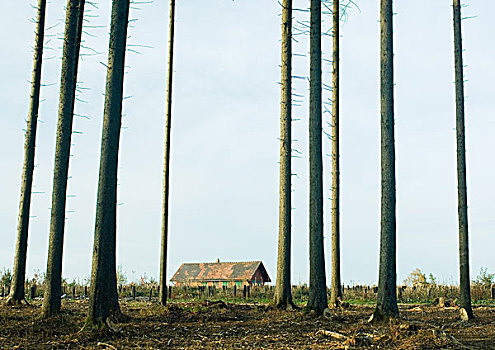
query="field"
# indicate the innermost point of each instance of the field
(246, 324)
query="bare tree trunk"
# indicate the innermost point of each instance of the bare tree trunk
(19, 271)
(166, 164)
(283, 296)
(465, 292)
(317, 299)
(103, 298)
(386, 306)
(336, 290)
(70, 59)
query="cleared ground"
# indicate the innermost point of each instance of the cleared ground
(202, 325)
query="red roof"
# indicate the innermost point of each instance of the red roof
(219, 271)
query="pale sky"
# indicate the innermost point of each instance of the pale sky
(225, 129)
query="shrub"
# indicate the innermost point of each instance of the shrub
(6, 277)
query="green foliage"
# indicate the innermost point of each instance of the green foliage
(6, 277)
(484, 278)
(415, 278)
(300, 293)
(432, 279)
(73, 283)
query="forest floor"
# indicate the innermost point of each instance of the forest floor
(201, 325)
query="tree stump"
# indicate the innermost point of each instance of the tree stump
(442, 302)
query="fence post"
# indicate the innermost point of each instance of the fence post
(33, 291)
(74, 292)
(85, 291)
(244, 292)
(493, 291)
(133, 292)
(151, 293)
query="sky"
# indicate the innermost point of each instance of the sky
(225, 129)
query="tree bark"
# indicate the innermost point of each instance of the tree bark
(336, 290)
(19, 271)
(283, 295)
(103, 298)
(166, 163)
(68, 82)
(386, 306)
(465, 292)
(317, 299)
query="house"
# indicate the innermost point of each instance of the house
(221, 274)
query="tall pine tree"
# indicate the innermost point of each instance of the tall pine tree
(465, 288)
(386, 305)
(166, 163)
(103, 298)
(283, 296)
(336, 289)
(70, 59)
(317, 299)
(16, 295)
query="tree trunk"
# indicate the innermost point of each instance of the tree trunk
(336, 291)
(317, 299)
(103, 298)
(166, 164)
(19, 270)
(70, 59)
(465, 293)
(386, 306)
(283, 296)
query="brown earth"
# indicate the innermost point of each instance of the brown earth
(199, 325)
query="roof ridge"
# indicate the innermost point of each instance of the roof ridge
(224, 262)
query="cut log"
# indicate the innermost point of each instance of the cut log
(334, 335)
(218, 303)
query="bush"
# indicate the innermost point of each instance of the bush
(416, 278)
(484, 278)
(6, 277)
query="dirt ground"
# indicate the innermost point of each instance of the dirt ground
(200, 325)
